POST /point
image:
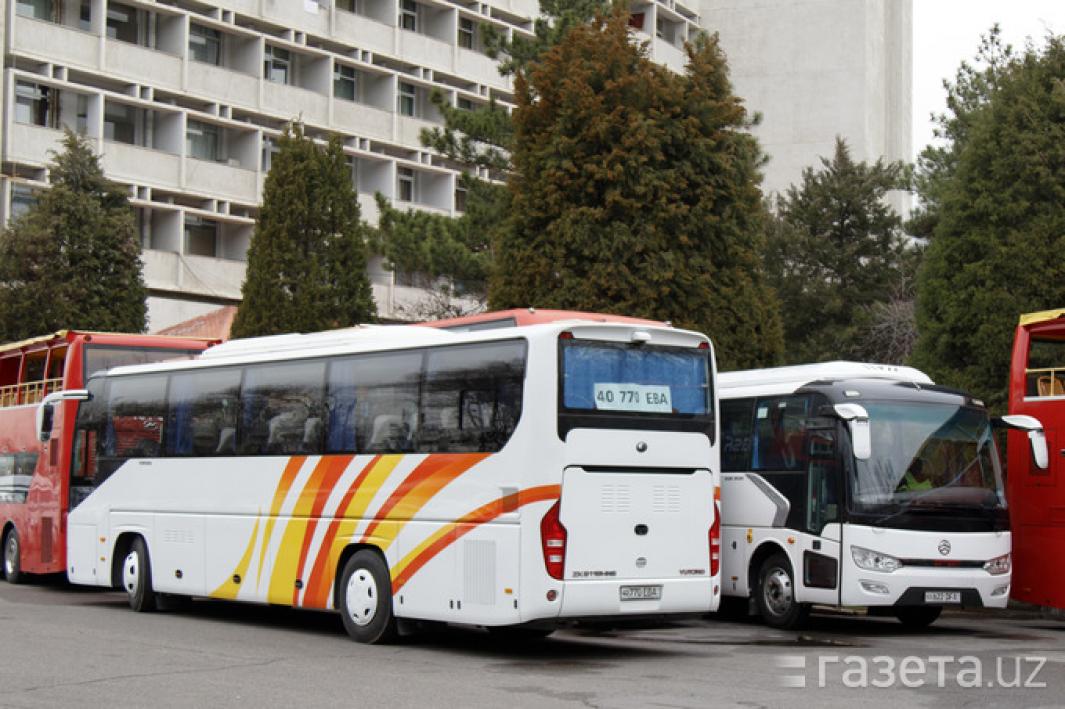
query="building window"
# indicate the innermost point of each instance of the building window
(405, 184)
(464, 104)
(466, 33)
(349, 5)
(460, 198)
(353, 166)
(85, 16)
(201, 237)
(120, 123)
(408, 15)
(203, 141)
(37, 9)
(122, 23)
(205, 45)
(22, 200)
(270, 149)
(33, 104)
(277, 65)
(407, 98)
(345, 82)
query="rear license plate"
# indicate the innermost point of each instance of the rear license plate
(641, 593)
(942, 596)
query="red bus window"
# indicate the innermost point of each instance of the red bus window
(1045, 374)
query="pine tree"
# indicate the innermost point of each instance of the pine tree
(835, 253)
(73, 260)
(307, 259)
(635, 191)
(996, 246)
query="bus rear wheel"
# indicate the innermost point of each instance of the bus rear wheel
(775, 594)
(137, 577)
(917, 617)
(364, 597)
(13, 557)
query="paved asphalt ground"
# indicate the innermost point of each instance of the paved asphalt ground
(63, 646)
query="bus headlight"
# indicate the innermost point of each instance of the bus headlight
(874, 561)
(999, 565)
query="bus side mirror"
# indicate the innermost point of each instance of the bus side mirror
(46, 411)
(857, 419)
(1036, 436)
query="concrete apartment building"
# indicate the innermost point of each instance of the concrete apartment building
(184, 98)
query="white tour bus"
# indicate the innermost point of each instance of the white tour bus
(513, 478)
(850, 484)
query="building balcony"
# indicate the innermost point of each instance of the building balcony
(292, 101)
(30, 144)
(198, 275)
(50, 42)
(672, 56)
(365, 121)
(237, 88)
(365, 33)
(141, 64)
(409, 130)
(222, 181)
(424, 50)
(142, 166)
(296, 15)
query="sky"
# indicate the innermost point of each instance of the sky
(945, 32)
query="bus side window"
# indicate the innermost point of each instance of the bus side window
(737, 426)
(283, 409)
(204, 411)
(373, 403)
(1045, 374)
(780, 434)
(136, 417)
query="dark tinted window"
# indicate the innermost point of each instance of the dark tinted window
(135, 417)
(373, 403)
(16, 474)
(737, 424)
(472, 397)
(204, 411)
(92, 422)
(283, 409)
(102, 357)
(779, 433)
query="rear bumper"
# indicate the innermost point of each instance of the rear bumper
(585, 599)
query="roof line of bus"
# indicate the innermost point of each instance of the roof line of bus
(802, 374)
(70, 334)
(1041, 316)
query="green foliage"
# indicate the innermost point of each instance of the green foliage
(73, 260)
(997, 244)
(835, 252)
(307, 260)
(635, 191)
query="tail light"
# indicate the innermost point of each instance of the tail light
(553, 541)
(715, 535)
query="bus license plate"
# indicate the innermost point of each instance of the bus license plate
(641, 593)
(942, 596)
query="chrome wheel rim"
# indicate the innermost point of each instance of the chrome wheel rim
(10, 554)
(361, 597)
(131, 573)
(778, 591)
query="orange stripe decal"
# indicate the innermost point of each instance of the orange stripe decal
(287, 477)
(332, 469)
(452, 531)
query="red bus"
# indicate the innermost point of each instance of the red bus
(1037, 496)
(35, 484)
(529, 316)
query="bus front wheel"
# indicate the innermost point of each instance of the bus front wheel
(364, 598)
(137, 577)
(918, 617)
(775, 594)
(13, 557)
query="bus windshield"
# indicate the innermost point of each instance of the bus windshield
(620, 378)
(927, 455)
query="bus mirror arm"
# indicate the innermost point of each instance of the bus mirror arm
(46, 411)
(857, 419)
(1036, 436)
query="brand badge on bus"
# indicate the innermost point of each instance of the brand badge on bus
(944, 547)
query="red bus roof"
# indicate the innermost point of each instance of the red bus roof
(1041, 317)
(534, 316)
(110, 338)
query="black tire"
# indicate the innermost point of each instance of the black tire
(137, 577)
(13, 557)
(775, 594)
(364, 598)
(917, 617)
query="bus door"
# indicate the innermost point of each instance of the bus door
(824, 500)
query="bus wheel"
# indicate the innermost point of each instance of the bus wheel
(137, 577)
(776, 594)
(365, 598)
(917, 617)
(13, 557)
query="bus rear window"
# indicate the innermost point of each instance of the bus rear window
(99, 358)
(617, 378)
